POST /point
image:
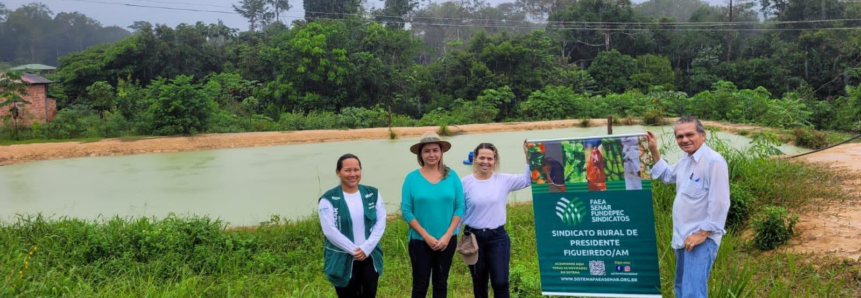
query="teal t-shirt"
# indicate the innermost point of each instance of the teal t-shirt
(433, 205)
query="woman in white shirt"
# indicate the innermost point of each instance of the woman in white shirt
(353, 219)
(486, 194)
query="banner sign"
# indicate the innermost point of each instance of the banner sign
(594, 222)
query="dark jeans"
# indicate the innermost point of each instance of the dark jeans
(494, 252)
(363, 282)
(428, 262)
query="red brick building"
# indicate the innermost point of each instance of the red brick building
(41, 108)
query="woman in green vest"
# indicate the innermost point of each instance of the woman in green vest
(353, 218)
(432, 205)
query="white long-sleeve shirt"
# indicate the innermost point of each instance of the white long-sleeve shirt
(702, 194)
(485, 199)
(357, 213)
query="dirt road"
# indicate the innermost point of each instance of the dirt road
(835, 228)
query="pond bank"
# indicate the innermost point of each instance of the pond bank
(14, 154)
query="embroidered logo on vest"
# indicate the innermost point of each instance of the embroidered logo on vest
(337, 222)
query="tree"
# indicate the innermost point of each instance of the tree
(611, 71)
(553, 102)
(653, 70)
(31, 34)
(102, 97)
(12, 90)
(331, 9)
(3, 12)
(131, 100)
(255, 11)
(138, 25)
(542, 9)
(180, 107)
(279, 6)
(603, 20)
(30, 22)
(680, 10)
(396, 13)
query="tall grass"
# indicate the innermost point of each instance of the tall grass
(201, 257)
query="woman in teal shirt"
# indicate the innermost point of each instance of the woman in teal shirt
(432, 205)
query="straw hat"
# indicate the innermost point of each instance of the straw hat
(430, 137)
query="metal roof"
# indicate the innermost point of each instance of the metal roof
(34, 79)
(33, 67)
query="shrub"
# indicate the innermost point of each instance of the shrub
(478, 111)
(36, 130)
(114, 125)
(524, 281)
(180, 107)
(363, 118)
(584, 122)
(741, 201)
(787, 112)
(773, 228)
(653, 116)
(462, 112)
(444, 130)
(225, 122)
(553, 102)
(321, 120)
(69, 123)
(260, 123)
(291, 121)
(629, 120)
(810, 138)
(435, 117)
(632, 102)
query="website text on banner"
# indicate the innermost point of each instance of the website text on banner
(594, 221)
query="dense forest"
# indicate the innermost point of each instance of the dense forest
(34, 34)
(781, 63)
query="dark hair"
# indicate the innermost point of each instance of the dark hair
(487, 146)
(346, 157)
(691, 119)
(442, 167)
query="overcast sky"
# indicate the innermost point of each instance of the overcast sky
(114, 12)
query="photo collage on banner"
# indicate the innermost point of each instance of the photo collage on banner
(594, 220)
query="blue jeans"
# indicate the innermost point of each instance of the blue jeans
(693, 268)
(494, 252)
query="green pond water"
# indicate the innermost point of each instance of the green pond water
(250, 185)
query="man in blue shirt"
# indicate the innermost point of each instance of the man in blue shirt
(700, 207)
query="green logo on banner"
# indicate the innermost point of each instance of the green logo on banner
(571, 212)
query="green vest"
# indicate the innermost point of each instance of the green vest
(338, 264)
